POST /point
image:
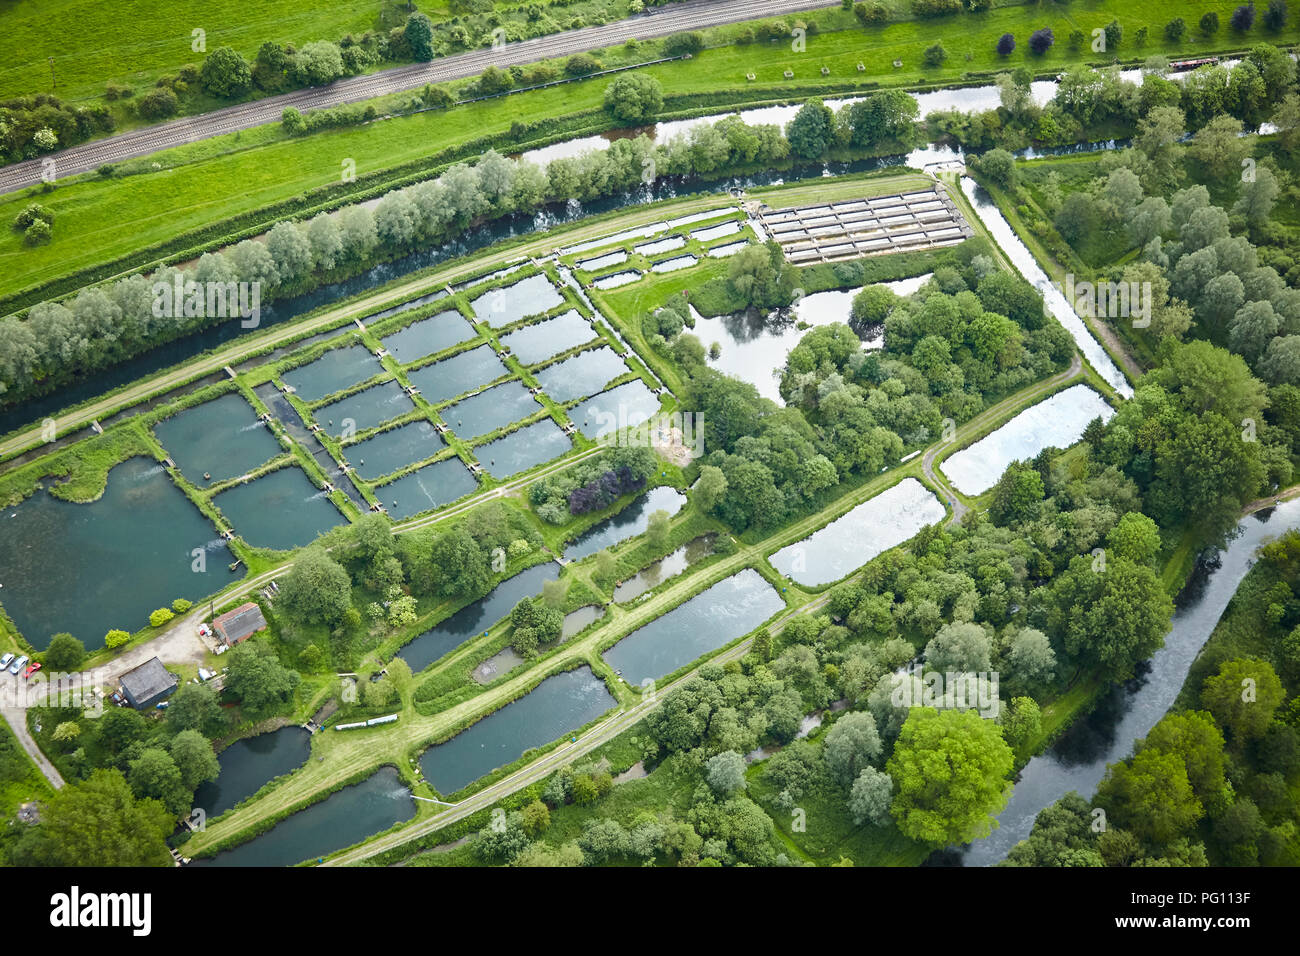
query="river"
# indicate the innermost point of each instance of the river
(1079, 759)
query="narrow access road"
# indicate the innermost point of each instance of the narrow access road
(17, 720)
(655, 22)
(602, 733)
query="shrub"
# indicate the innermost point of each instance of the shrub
(116, 91)
(871, 14)
(226, 74)
(1006, 44)
(116, 638)
(680, 44)
(935, 54)
(634, 97)
(935, 8)
(181, 605)
(38, 233)
(581, 64)
(1041, 40)
(33, 213)
(157, 104)
(160, 617)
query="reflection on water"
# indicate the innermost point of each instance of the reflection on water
(340, 820)
(559, 704)
(715, 617)
(86, 568)
(850, 541)
(1056, 422)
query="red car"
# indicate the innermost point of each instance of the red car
(32, 669)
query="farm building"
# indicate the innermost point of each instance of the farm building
(241, 623)
(148, 684)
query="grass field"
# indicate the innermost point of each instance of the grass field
(136, 41)
(101, 219)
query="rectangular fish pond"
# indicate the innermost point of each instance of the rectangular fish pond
(523, 448)
(426, 488)
(558, 705)
(334, 371)
(541, 340)
(581, 375)
(364, 409)
(461, 373)
(508, 304)
(623, 406)
(428, 336)
(712, 619)
(281, 510)
(222, 439)
(489, 410)
(853, 539)
(475, 618)
(394, 449)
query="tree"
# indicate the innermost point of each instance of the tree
(194, 757)
(1281, 362)
(1135, 537)
(1175, 30)
(317, 589)
(1016, 495)
(1220, 146)
(851, 745)
(1256, 197)
(1210, 23)
(1040, 41)
(97, 822)
(725, 773)
(810, 132)
(318, 63)
(65, 653)
(999, 166)
(157, 104)
(958, 648)
(536, 818)
(1114, 34)
(1006, 44)
(1193, 737)
(950, 768)
(1022, 722)
(1243, 697)
(1151, 796)
(870, 797)
(154, 775)
(1062, 836)
(606, 565)
(709, 487)
(1031, 658)
(419, 36)
(1243, 18)
(260, 680)
(634, 98)
(1110, 619)
(195, 707)
(870, 308)
(225, 74)
(581, 64)
(67, 731)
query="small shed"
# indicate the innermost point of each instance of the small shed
(148, 684)
(240, 624)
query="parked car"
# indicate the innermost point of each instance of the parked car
(31, 669)
(6, 661)
(18, 665)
